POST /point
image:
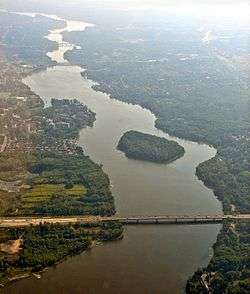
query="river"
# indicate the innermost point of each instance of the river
(150, 259)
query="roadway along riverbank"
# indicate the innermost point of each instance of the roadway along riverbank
(9, 222)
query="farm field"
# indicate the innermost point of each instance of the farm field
(41, 193)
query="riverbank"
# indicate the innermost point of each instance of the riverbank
(47, 245)
(228, 270)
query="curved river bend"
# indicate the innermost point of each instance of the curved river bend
(150, 259)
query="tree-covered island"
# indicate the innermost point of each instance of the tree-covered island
(147, 147)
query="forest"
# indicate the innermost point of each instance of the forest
(228, 271)
(47, 244)
(67, 171)
(25, 40)
(147, 147)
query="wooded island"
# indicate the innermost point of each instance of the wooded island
(147, 147)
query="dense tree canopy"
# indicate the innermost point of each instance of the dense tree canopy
(147, 147)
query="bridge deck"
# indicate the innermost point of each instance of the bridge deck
(6, 222)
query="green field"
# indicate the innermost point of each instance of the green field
(44, 192)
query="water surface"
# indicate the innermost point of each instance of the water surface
(150, 259)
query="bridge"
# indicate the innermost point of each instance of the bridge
(9, 222)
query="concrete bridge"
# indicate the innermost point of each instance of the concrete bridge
(8, 222)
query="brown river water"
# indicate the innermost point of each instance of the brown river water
(151, 259)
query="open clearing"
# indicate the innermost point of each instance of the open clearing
(43, 192)
(11, 247)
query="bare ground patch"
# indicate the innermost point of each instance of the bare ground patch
(11, 247)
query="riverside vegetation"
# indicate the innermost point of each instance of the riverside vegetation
(228, 270)
(147, 147)
(47, 244)
(54, 176)
(42, 170)
(65, 117)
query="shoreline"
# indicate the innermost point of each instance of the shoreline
(30, 273)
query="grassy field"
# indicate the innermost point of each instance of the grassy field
(44, 192)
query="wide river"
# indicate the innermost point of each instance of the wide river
(150, 259)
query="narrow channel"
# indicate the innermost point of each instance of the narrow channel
(150, 259)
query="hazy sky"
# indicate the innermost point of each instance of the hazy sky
(137, 2)
(230, 8)
(127, 3)
(159, 2)
(214, 9)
